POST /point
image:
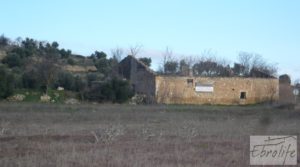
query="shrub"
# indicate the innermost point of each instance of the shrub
(122, 90)
(91, 78)
(30, 80)
(69, 82)
(71, 61)
(13, 60)
(6, 83)
(146, 60)
(4, 41)
(21, 52)
(79, 84)
(65, 80)
(18, 77)
(102, 65)
(65, 53)
(115, 90)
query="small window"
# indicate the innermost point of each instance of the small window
(243, 95)
(190, 82)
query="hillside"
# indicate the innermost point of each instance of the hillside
(31, 65)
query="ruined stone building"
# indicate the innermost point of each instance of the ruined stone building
(197, 90)
(286, 95)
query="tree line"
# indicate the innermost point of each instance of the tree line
(207, 64)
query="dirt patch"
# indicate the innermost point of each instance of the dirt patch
(50, 138)
(80, 69)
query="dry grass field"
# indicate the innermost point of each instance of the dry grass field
(52, 135)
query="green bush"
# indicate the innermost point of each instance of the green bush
(4, 41)
(6, 83)
(79, 84)
(115, 90)
(91, 78)
(20, 51)
(146, 60)
(69, 82)
(66, 80)
(18, 78)
(13, 60)
(71, 61)
(102, 65)
(65, 53)
(122, 90)
(30, 80)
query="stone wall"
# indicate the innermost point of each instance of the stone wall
(286, 94)
(227, 91)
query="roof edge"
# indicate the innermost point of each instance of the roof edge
(143, 64)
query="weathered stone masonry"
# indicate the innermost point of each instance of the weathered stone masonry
(228, 91)
(197, 90)
(140, 76)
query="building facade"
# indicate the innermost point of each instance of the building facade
(197, 90)
(215, 90)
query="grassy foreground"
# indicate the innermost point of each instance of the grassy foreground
(134, 136)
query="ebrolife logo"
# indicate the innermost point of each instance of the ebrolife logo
(273, 150)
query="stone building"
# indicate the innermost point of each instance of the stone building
(197, 90)
(285, 90)
(141, 77)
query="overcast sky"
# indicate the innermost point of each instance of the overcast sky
(268, 27)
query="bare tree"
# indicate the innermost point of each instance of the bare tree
(134, 50)
(170, 64)
(208, 54)
(189, 60)
(224, 62)
(47, 67)
(244, 60)
(254, 65)
(257, 61)
(206, 64)
(167, 56)
(183, 67)
(263, 67)
(48, 71)
(17, 42)
(117, 53)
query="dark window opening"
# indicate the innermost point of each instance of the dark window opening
(190, 82)
(243, 95)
